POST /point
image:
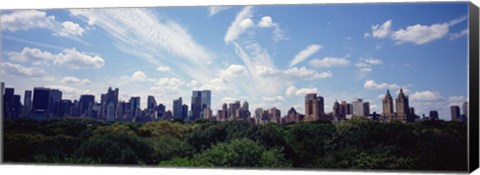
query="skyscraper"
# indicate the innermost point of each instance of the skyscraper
(200, 101)
(465, 109)
(314, 107)
(86, 101)
(388, 106)
(455, 112)
(433, 115)
(46, 101)
(336, 110)
(177, 109)
(402, 106)
(196, 104)
(134, 107)
(361, 108)
(184, 111)
(8, 103)
(27, 102)
(2, 102)
(151, 103)
(109, 101)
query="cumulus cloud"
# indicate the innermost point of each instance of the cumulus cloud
(78, 60)
(421, 34)
(418, 34)
(304, 54)
(163, 68)
(71, 29)
(306, 74)
(139, 76)
(167, 85)
(370, 84)
(293, 91)
(234, 70)
(365, 65)
(456, 100)
(266, 21)
(26, 19)
(75, 81)
(382, 31)
(19, 70)
(68, 57)
(329, 62)
(34, 55)
(241, 23)
(425, 96)
(267, 71)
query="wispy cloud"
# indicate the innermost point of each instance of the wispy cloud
(213, 10)
(304, 54)
(241, 23)
(329, 62)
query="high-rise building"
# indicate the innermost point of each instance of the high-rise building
(465, 109)
(337, 113)
(345, 109)
(455, 112)
(27, 102)
(65, 108)
(196, 104)
(275, 115)
(388, 106)
(234, 110)
(184, 111)
(314, 107)
(109, 101)
(8, 103)
(45, 100)
(2, 102)
(151, 103)
(224, 111)
(17, 106)
(177, 109)
(361, 108)
(134, 107)
(292, 115)
(200, 101)
(207, 113)
(86, 101)
(433, 115)
(402, 106)
(160, 110)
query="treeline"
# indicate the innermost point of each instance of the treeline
(355, 144)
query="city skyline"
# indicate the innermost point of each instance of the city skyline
(261, 54)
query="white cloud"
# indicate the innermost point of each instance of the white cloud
(32, 55)
(274, 99)
(304, 54)
(216, 85)
(78, 60)
(370, 84)
(75, 81)
(382, 31)
(267, 71)
(293, 91)
(365, 65)
(213, 10)
(139, 76)
(144, 33)
(418, 34)
(234, 70)
(421, 34)
(163, 68)
(266, 22)
(307, 74)
(19, 70)
(329, 62)
(68, 57)
(167, 85)
(425, 96)
(71, 29)
(373, 61)
(456, 100)
(239, 25)
(455, 36)
(26, 19)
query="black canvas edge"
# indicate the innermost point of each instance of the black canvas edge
(473, 122)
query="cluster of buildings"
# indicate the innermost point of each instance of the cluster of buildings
(43, 103)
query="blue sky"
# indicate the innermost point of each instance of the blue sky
(267, 55)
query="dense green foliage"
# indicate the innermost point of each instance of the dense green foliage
(355, 144)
